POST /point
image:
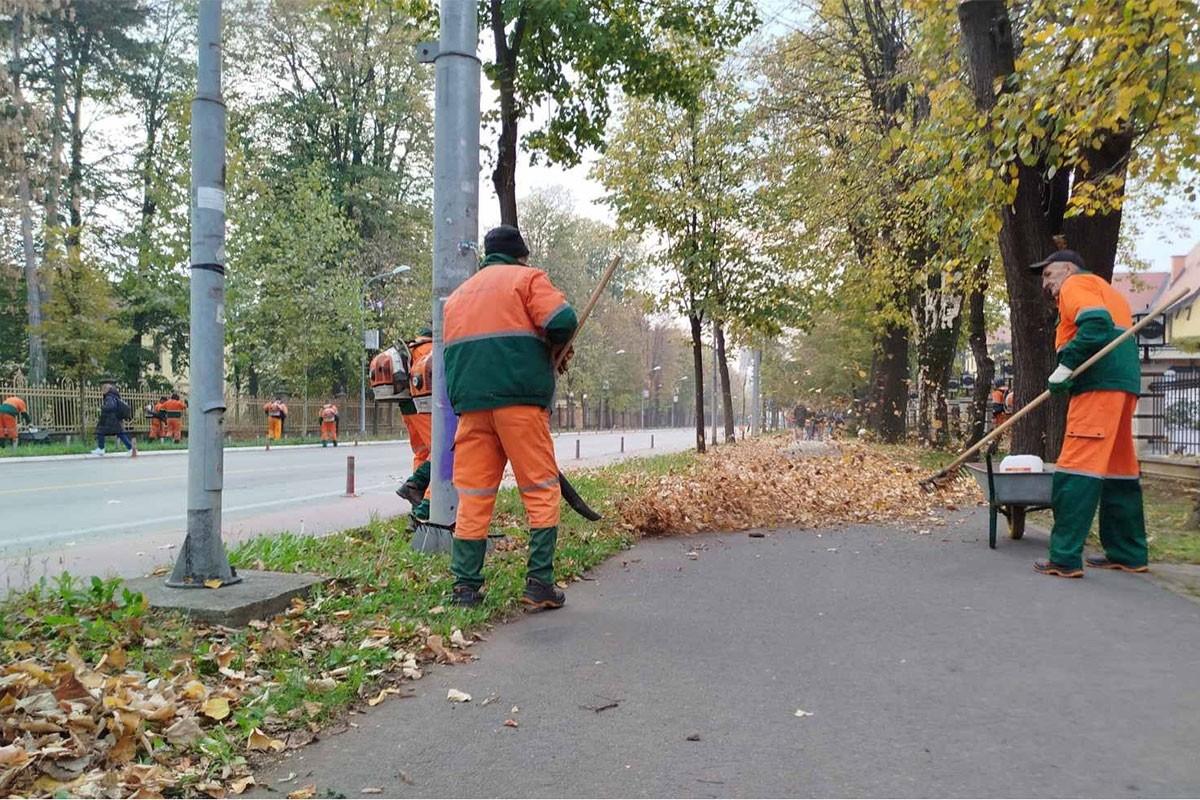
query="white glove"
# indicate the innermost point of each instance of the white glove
(1060, 375)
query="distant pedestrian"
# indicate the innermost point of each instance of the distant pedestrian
(173, 409)
(800, 420)
(114, 412)
(329, 422)
(11, 410)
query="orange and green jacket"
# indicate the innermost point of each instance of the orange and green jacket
(1091, 313)
(173, 408)
(15, 407)
(328, 413)
(499, 327)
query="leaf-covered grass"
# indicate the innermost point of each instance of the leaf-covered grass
(383, 613)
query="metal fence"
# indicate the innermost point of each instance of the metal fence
(59, 408)
(1168, 416)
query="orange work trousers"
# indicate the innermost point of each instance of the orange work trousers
(274, 427)
(485, 441)
(156, 428)
(175, 428)
(8, 427)
(1099, 440)
(420, 436)
(328, 431)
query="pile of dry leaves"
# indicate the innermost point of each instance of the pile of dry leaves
(104, 729)
(763, 483)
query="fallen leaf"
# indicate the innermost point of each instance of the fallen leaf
(312, 708)
(184, 733)
(239, 785)
(515, 710)
(692, 737)
(800, 712)
(214, 583)
(304, 792)
(455, 696)
(379, 698)
(260, 741)
(437, 610)
(216, 708)
(320, 685)
(13, 755)
(404, 776)
(457, 638)
(117, 658)
(510, 723)
(370, 790)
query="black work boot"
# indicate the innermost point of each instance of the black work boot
(542, 595)
(1059, 570)
(1102, 562)
(411, 492)
(467, 596)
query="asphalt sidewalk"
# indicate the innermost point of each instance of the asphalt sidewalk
(930, 666)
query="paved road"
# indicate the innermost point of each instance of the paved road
(124, 516)
(931, 667)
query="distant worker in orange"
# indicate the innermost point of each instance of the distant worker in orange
(276, 411)
(173, 407)
(329, 421)
(158, 419)
(11, 410)
(1000, 411)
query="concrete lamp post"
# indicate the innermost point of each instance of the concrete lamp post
(362, 318)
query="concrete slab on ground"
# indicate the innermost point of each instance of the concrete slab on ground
(931, 666)
(260, 595)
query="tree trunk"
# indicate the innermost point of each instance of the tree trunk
(888, 401)
(726, 392)
(698, 378)
(504, 176)
(33, 287)
(985, 368)
(938, 318)
(1025, 237)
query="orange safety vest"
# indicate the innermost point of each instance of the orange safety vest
(329, 412)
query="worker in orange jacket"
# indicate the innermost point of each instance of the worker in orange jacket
(173, 407)
(329, 421)
(417, 414)
(158, 419)
(1098, 464)
(1000, 411)
(11, 410)
(504, 328)
(276, 411)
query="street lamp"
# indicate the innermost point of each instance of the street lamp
(646, 393)
(585, 410)
(362, 319)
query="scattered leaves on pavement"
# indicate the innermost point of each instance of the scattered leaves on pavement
(455, 696)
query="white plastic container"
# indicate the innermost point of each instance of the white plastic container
(1022, 464)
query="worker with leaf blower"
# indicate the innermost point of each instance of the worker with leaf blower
(505, 328)
(417, 413)
(1098, 465)
(11, 410)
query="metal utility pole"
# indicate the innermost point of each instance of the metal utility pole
(203, 555)
(455, 214)
(756, 393)
(715, 379)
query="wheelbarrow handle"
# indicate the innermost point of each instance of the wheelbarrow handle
(1044, 396)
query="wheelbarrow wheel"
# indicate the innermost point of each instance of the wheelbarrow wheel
(1016, 522)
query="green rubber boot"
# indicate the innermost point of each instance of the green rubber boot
(466, 562)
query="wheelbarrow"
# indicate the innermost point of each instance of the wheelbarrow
(1012, 494)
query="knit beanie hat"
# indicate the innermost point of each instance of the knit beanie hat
(505, 239)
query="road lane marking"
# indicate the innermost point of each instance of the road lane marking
(116, 526)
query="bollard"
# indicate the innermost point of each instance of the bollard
(576, 449)
(349, 476)
(622, 444)
(133, 450)
(652, 441)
